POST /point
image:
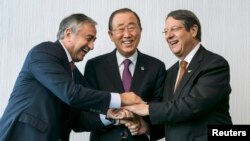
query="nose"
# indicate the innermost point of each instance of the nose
(91, 45)
(126, 32)
(169, 34)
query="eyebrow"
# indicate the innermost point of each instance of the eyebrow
(175, 26)
(91, 36)
(129, 24)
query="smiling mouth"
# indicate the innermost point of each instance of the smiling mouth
(86, 49)
(173, 42)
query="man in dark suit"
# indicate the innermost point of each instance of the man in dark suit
(202, 95)
(105, 72)
(39, 106)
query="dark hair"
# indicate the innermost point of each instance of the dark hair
(188, 18)
(123, 10)
(73, 22)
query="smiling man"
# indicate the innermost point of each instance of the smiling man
(201, 97)
(45, 90)
(105, 72)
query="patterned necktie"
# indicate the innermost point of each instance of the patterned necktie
(183, 65)
(126, 75)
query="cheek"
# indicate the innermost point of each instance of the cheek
(185, 40)
(137, 35)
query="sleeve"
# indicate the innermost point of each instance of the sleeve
(50, 70)
(208, 87)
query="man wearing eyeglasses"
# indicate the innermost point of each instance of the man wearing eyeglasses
(48, 86)
(105, 73)
(201, 96)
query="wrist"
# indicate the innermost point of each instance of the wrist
(113, 121)
(116, 122)
(110, 119)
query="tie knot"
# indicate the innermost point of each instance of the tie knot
(126, 62)
(183, 64)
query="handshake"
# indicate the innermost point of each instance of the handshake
(130, 114)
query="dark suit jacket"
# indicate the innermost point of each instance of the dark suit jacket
(38, 108)
(202, 98)
(102, 73)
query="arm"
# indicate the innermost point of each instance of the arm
(50, 68)
(86, 121)
(210, 87)
(207, 90)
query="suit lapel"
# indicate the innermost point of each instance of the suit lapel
(112, 70)
(192, 68)
(65, 58)
(140, 70)
(169, 84)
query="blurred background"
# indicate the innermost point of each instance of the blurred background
(225, 30)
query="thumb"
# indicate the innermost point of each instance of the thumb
(130, 108)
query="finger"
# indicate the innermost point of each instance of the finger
(134, 125)
(130, 108)
(127, 114)
(110, 113)
(128, 124)
(133, 132)
(115, 114)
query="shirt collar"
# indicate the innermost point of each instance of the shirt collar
(121, 58)
(67, 52)
(191, 54)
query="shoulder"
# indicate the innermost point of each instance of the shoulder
(45, 46)
(213, 57)
(102, 58)
(47, 49)
(150, 59)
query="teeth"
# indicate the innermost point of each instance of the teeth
(86, 50)
(173, 42)
(127, 42)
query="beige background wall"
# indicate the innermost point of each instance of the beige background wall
(225, 30)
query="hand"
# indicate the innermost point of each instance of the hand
(139, 109)
(132, 124)
(144, 129)
(130, 98)
(136, 126)
(119, 114)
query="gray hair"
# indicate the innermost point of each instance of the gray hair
(73, 22)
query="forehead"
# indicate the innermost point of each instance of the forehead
(87, 29)
(125, 18)
(170, 21)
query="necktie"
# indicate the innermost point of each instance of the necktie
(126, 75)
(72, 65)
(126, 80)
(183, 65)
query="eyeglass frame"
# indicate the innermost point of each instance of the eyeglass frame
(130, 28)
(173, 29)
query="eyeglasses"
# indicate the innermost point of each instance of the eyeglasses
(173, 29)
(121, 30)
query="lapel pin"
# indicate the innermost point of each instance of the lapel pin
(189, 71)
(142, 68)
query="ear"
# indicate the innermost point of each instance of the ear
(67, 34)
(194, 30)
(111, 35)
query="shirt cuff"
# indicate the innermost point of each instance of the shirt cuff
(115, 101)
(105, 121)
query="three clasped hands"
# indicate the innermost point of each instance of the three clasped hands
(131, 117)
